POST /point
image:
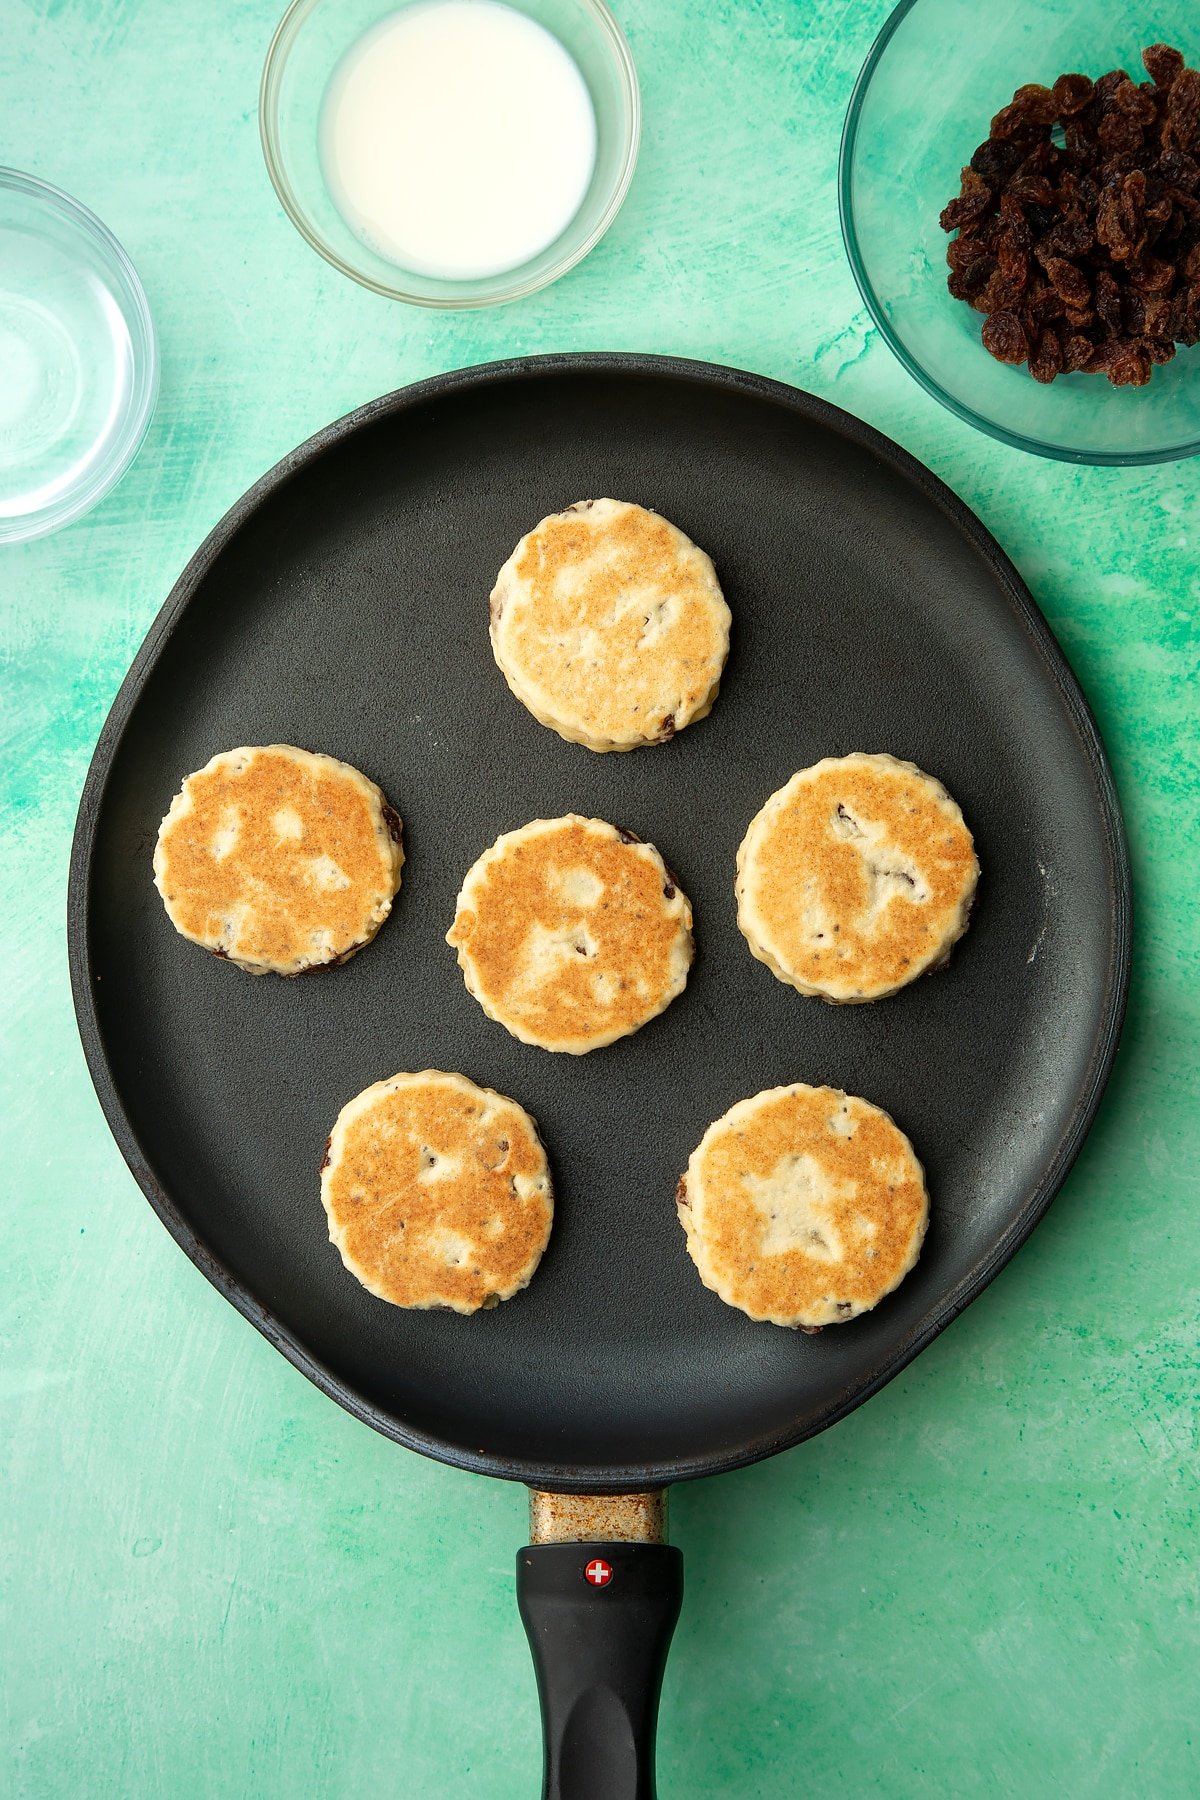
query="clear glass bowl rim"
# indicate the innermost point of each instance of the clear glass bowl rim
(272, 76)
(1018, 440)
(143, 340)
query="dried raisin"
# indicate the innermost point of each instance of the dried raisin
(1036, 103)
(1031, 190)
(975, 198)
(1072, 93)
(1157, 316)
(1119, 135)
(1047, 359)
(1013, 264)
(1154, 276)
(1071, 237)
(1045, 307)
(1077, 353)
(1180, 170)
(1069, 283)
(1131, 368)
(1135, 103)
(1183, 109)
(1162, 63)
(996, 162)
(1108, 300)
(1004, 336)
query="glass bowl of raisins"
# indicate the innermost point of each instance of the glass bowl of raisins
(1020, 201)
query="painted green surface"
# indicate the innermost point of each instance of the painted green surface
(215, 1584)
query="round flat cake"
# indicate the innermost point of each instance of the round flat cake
(855, 877)
(610, 626)
(278, 859)
(571, 933)
(437, 1192)
(803, 1206)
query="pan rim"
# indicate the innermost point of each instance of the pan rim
(632, 1477)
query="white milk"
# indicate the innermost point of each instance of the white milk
(458, 138)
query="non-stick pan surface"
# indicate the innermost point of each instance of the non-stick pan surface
(342, 605)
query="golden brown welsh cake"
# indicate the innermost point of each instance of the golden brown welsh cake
(610, 626)
(803, 1206)
(571, 933)
(278, 860)
(437, 1192)
(855, 878)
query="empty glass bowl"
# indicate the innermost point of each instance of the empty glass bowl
(924, 100)
(78, 359)
(313, 37)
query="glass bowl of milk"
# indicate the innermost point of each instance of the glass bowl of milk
(450, 152)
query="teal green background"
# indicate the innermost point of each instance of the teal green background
(215, 1583)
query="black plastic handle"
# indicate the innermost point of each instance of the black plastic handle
(599, 1619)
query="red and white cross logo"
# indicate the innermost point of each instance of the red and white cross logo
(598, 1573)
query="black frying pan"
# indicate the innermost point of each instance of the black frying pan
(341, 605)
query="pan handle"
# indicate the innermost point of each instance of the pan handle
(599, 1610)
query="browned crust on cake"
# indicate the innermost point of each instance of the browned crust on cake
(437, 1192)
(856, 877)
(618, 958)
(609, 625)
(307, 898)
(867, 1222)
